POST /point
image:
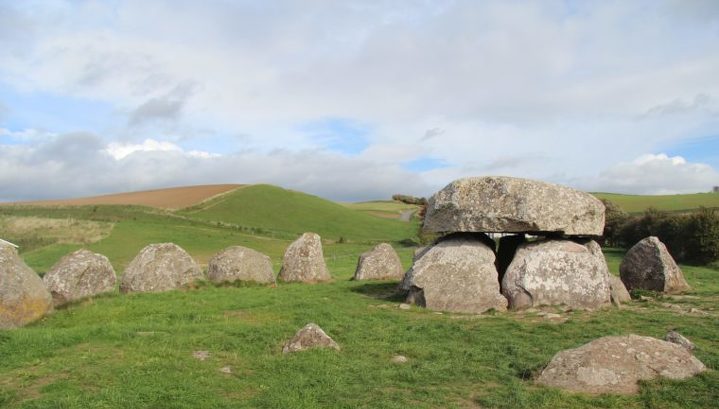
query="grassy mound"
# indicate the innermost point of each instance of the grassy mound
(670, 203)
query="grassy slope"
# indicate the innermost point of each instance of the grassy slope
(390, 209)
(275, 209)
(638, 203)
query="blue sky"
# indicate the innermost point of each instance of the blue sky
(357, 100)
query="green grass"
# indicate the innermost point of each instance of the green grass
(672, 203)
(383, 208)
(135, 351)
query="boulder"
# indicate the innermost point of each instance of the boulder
(304, 261)
(239, 263)
(79, 275)
(160, 267)
(310, 336)
(380, 263)
(23, 296)
(456, 274)
(618, 292)
(555, 272)
(615, 364)
(649, 266)
(679, 339)
(497, 204)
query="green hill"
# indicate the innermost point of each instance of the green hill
(670, 203)
(273, 209)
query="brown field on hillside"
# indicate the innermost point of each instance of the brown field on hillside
(170, 198)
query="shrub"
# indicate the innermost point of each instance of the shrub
(702, 244)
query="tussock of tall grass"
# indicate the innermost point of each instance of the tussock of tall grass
(63, 231)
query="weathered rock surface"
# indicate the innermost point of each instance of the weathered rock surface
(511, 205)
(649, 266)
(618, 291)
(79, 275)
(304, 260)
(679, 339)
(310, 336)
(160, 267)
(380, 263)
(554, 272)
(615, 365)
(457, 274)
(23, 296)
(239, 263)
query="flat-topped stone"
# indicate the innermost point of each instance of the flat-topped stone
(499, 204)
(239, 263)
(160, 267)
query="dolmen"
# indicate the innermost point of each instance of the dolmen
(78, 275)
(23, 296)
(160, 267)
(649, 266)
(304, 261)
(464, 272)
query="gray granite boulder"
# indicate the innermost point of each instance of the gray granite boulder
(380, 263)
(239, 263)
(23, 296)
(511, 205)
(649, 266)
(616, 364)
(310, 336)
(557, 272)
(456, 274)
(618, 291)
(160, 267)
(679, 339)
(304, 261)
(79, 275)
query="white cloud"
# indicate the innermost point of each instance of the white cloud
(655, 174)
(121, 150)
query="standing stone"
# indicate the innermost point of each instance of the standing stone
(380, 263)
(617, 290)
(497, 204)
(310, 336)
(239, 263)
(79, 275)
(160, 267)
(23, 296)
(457, 274)
(508, 246)
(616, 364)
(649, 266)
(555, 272)
(304, 261)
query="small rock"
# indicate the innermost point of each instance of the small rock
(404, 306)
(552, 316)
(679, 339)
(310, 336)
(541, 313)
(697, 311)
(399, 359)
(201, 355)
(226, 369)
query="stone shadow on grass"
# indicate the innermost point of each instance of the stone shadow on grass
(388, 291)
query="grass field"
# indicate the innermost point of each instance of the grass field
(671, 203)
(389, 209)
(135, 351)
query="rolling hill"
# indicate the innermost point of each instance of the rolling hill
(670, 203)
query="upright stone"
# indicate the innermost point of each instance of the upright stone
(304, 261)
(616, 364)
(497, 204)
(649, 266)
(555, 272)
(619, 293)
(456, 274)
(79, 275)
(160, 267)
(23, 296)
(380, 263)
(239, 263)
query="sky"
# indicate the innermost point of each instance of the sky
(357, 100)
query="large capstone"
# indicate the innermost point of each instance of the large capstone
(456, 274)
(616, 364)
(239, 263)
(380, 263)
(79, 275)
(160, 267)
(649, 266)
(304, 261)
(557, 272)
(511, 205)
(23, 296)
